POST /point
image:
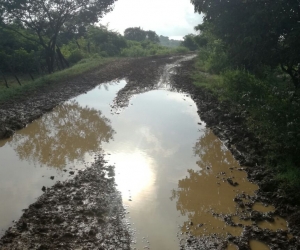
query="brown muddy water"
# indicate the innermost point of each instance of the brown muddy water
(171, 170)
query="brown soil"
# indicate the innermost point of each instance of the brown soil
(53, 222)
(83, 213)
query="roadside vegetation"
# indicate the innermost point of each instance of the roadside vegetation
(249, 56)
(44, 42)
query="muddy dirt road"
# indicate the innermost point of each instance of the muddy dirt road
(172, 199)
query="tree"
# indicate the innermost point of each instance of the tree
(107, 41)
(165, 41)
(46, 18)
(139, 35)
(152, 36)
(189, 42)
(257, 32)
(135, 34)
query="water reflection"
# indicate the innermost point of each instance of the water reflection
(164, 83)
(206, 192)
(63, 135)
(60, 139)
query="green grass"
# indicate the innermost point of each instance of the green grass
(81, 67)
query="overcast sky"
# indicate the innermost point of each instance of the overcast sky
(172, 18)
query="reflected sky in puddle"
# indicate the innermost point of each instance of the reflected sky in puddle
(171, 170)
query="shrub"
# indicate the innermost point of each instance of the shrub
(75, 56)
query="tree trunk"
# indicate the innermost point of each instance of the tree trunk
(31, 76)
(88, 47)
(295, 75)
(59, 63)
(13, 72)
(77, 44)
(6, 84)
(61, 57)
(50, 58)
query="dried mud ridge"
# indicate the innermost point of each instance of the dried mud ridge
(54, 222)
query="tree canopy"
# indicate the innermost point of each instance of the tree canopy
(46, 18)
(139, 35)
(190, 42)
(257, 32)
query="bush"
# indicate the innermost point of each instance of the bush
(76, 56)
(243, 87)
(181, 49)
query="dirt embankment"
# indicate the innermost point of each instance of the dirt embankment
(41, 224)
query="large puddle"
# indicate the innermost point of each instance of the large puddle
(173, 172)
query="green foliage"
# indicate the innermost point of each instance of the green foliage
(181, 49)
(17, 53)
(165, 41)
(75, 56)
(251, 46)
(256, 33)
(273, 108)
(101, 39)
(241, 86)
(190, 42)
(289, 177)
(46, 19)
(139, 35)
(147, 48)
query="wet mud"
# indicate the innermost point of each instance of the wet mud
(83, 213)
(54, 221)
(228, 123)
(17, 113)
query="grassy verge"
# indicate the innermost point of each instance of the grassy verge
(273, 108)
(83, 66)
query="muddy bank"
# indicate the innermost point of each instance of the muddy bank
(228, 123)
(83, 213)
(16, 113)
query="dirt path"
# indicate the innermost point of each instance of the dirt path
(65, 216)
(15, 114)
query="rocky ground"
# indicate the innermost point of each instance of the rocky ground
(50, 222)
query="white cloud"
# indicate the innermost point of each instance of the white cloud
(165, 17)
